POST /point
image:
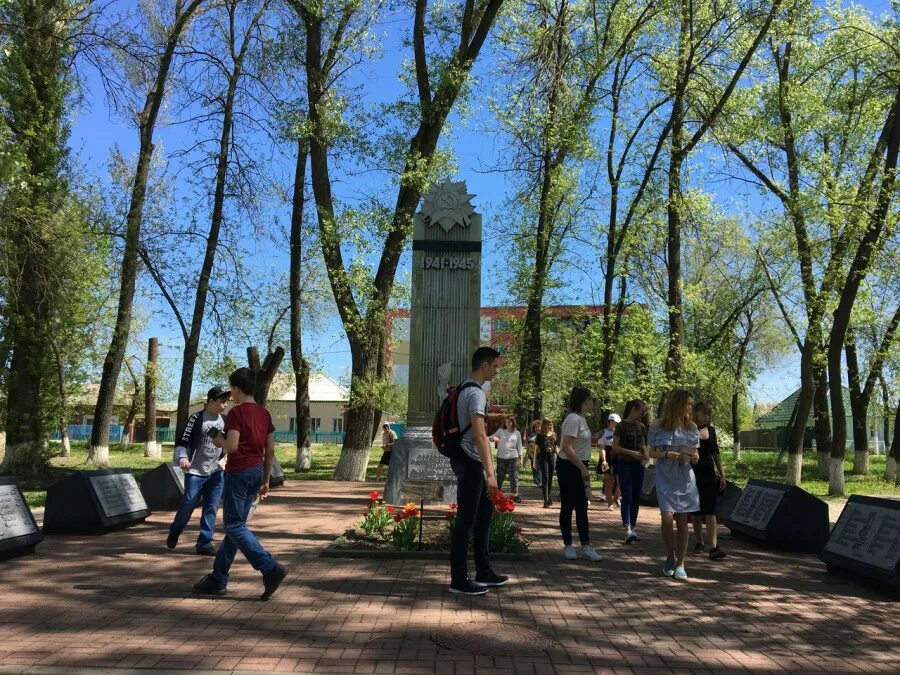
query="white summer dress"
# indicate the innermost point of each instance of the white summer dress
(676, 487)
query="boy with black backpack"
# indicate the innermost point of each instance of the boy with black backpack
(464, 440)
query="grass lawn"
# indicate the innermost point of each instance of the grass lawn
(762, 465)
(324, 459)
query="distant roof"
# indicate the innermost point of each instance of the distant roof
(780, 415)
(322, 389)
(87, 396)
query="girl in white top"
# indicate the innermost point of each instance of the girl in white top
(573, 475)
(509, 455)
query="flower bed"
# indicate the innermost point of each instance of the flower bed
(388, 531)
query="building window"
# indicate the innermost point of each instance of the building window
(501, 325)
(315, 424)
(337, 425)
(292, 424)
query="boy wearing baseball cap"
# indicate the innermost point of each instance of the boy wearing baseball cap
(203, 478)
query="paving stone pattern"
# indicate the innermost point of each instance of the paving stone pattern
(123, 601)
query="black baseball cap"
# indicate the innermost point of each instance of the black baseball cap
(217, 392)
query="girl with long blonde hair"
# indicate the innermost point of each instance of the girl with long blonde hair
(673, 440)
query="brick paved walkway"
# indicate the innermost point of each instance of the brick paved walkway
(123, 601)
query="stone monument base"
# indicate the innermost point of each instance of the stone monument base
(19, 533)
(865, 542)
(163, 487)
(415, 460)
(784, 516)
(94, 502)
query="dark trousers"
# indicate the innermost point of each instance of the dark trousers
(572, 498)
(474, 511)
(631, 479)
(547, 464)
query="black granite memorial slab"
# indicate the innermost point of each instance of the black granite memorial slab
(163, 487)
(784, 516)
(727, 501)
(866, 541)
(19, 533)
(648, 487)
(94, 502)
(277, 477)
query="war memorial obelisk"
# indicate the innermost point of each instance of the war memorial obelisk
(444, 331)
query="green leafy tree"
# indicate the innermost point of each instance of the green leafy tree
(50, 252)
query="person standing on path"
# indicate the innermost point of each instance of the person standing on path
(631, 451)
(545, 444)
(710, 475)
(509, 455)
(607, 465)
(476, 482)
(673, 440)
(249, 444)
(388, 438)
(573, 474)
(203, 477)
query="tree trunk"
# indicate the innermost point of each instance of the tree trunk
(822, 421)
(379, 374)
(859, 412)
(25, 432)
(675, 354)
(264, 373)
(98, 449)
(802, 407)
(63, 403)
(358, 435)
(151, 376)
(891, 473)
(885, 415)
(736, 426)
(295, 284)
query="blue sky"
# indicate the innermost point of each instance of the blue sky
(476, 145)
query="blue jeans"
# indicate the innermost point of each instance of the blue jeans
(631, 479)
(474, 511)
(197, 488)
(241, 489)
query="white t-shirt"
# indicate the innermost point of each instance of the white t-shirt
(575, 425)
(509, 445)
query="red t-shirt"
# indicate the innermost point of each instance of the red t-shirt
(253, 423)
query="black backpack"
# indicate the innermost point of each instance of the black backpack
(445, 431)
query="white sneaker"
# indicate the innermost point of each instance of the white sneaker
(569, 553)
(589, 553)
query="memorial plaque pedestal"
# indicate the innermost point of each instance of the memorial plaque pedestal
(648, 488)
(94, 502)
(277, 477)
(163, 487)
(727, 501)
(783, 516)
(865, 541)
(416, 460)
(19, 533)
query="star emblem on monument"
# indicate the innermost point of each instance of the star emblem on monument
(448, 204)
